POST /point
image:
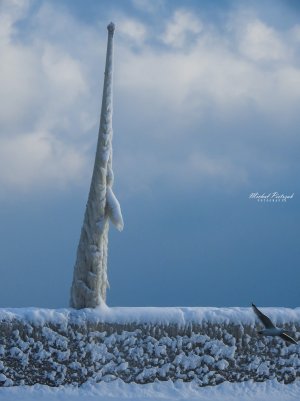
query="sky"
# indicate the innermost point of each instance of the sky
(206, 112)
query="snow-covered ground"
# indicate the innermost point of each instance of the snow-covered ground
(180, 316)
(163, 391)
(211, 345)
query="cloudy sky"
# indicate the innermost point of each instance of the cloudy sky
(206, 112)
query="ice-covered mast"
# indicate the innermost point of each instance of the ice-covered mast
(90, 272)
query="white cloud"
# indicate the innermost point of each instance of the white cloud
(261, 42)
(180, 27)
(295, 33)
(63, 72)
(10, 12)
(214, 72)
(39, 160)
(165, 96)
(175, 91)
(209, 76)
(43, 87)
(132, 30)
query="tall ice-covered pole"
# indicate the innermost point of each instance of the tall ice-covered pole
(90, 272)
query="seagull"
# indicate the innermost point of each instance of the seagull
(270, 329)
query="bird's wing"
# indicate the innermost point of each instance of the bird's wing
(287, 338)
(263, 318)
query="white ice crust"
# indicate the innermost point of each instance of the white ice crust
(151, 315)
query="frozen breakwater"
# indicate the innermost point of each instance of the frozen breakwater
(143, 345)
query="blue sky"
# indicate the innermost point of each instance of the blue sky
(206, 111)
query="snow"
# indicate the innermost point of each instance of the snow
(180, 316)
(163, 391)
(90, 272)
(114, 209)
(144, 345)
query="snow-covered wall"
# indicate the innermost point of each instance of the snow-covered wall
(207, 345)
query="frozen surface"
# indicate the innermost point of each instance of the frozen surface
(114, 209)
(167, 391)
(90, 272)
(206, 346)
(153, 315)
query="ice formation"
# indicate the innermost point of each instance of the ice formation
(207, 346)
(90, 272)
